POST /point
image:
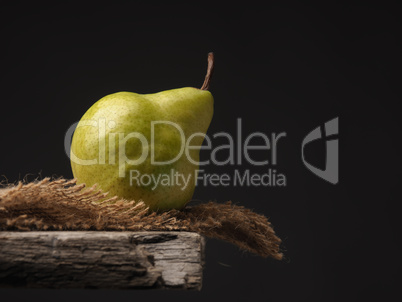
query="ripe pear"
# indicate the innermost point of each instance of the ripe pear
(144, 147)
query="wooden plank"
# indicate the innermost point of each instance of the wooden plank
(63, 259)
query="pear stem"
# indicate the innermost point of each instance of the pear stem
(210, 69)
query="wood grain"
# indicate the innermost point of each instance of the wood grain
(63, 259)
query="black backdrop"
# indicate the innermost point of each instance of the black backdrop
(281, 68)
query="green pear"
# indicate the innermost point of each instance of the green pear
(144, 147)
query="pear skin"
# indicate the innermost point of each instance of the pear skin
(134, 145)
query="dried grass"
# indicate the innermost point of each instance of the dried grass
(63, 205)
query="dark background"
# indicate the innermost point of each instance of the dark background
(281, 68)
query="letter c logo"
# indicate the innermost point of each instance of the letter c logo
(331, 172)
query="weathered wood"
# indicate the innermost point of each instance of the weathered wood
(101, 259)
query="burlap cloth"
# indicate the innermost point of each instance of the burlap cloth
(63, 205)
